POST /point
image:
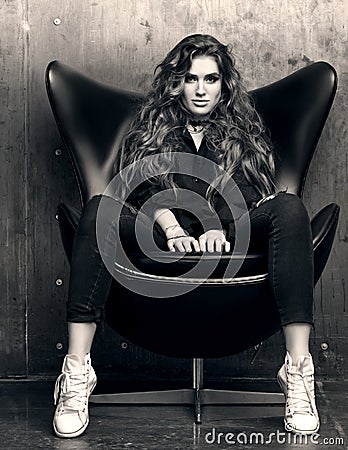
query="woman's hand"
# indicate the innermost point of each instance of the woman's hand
(179, 240)
(183, 244)
(214, 240)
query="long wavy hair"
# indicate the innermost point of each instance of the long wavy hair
(235, 131)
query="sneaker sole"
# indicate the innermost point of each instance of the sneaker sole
(290, 429)
(82, 429)
(71, 435)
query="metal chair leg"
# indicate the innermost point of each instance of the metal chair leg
(197, 407)
(197, 372)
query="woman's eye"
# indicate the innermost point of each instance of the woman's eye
(211, 79)
(190, 79)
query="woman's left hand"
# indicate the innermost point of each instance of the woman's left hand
(213, 241)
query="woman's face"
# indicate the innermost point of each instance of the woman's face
(202, 88)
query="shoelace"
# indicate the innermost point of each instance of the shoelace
(301, 393)
(73, 391)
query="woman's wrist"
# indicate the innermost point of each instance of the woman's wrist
(169, 224)
(174, 230)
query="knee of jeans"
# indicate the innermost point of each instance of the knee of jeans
(290, 209)
(97, 209)
(92, 204)
(106, 198)
(94, 198)
(88, 216)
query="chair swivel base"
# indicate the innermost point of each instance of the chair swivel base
(196, 396)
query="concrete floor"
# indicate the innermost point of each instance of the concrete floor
(26, 413)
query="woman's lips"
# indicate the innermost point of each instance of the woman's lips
(200, 102)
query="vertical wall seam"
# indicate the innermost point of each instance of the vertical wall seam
(25, 31)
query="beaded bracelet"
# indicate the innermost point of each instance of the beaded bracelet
(172, 226)
(175, 237)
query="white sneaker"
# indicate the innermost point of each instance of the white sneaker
(71, 393)
(297, 383)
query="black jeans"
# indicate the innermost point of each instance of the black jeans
(280, 226)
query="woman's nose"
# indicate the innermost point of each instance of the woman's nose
(200, 88)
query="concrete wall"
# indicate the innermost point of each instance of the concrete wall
(119, 42)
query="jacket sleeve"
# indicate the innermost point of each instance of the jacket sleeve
(149, 195)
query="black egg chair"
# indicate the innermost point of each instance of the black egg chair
(219, 317)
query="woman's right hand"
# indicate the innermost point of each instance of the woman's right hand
(179, 240)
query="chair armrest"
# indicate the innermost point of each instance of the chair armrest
(68, 218)
(324, 225)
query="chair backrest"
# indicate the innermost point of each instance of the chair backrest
(91, 118)
(295, 110)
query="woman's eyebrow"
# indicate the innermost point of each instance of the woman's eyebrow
(216, 74)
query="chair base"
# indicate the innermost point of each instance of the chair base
(196, 396)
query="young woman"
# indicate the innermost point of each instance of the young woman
(197, 106)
